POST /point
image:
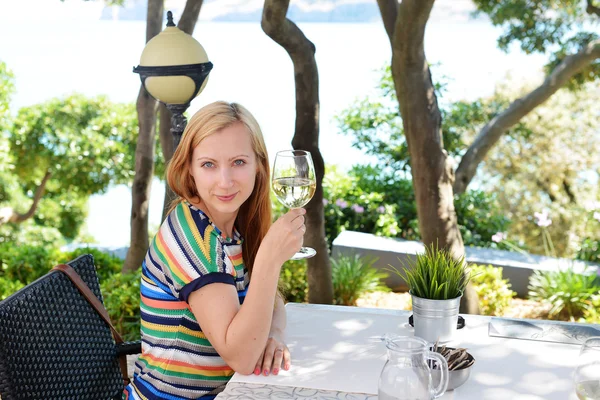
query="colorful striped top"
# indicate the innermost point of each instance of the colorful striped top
(177, 361)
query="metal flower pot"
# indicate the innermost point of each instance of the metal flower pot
(435, 319)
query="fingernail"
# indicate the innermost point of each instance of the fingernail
(256, 371)
(275, 371)
(286, 366)
(266, 372)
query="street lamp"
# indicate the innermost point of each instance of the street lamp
(174, 68)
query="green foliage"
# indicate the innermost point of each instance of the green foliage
(25, 263)
(542, 26)
(8, 287)
(591, 314)
(547, 164)
(383, 191)
(572, 45)
(479, 217)
(29, 233)
(293, 282)
(589, 250)
(570, 293)
(122, 300)
(86, 143)
(434, 274)
(21, 265)
(366, 200)
(106, 264)
(353, 277)
(494, 292)
(375, 127)
(370, 200)
(7, 89)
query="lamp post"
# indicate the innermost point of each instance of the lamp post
(174, 69)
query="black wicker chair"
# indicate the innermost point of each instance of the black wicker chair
(54, 345)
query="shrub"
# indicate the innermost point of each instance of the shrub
(25, 263)
(353, 277)
(494, 292)
(21, 265)
(569, 293)
(368, 200)
(479, 217)
(8, 287)
(122, 301)
(589, 250)
(106, 264)
(382, 201)
(293, 281)
(591, 314)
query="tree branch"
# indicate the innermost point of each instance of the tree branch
(306, 136)
(389, 13)
(493, 130)
(409, 30)
(283, 31)
(188, 19)
(569, 191)
(8, 214)
(592, 9)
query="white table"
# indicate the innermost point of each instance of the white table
(504, 369)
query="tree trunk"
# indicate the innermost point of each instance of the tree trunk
(187, 23)
(432, 169)
(144, 156)
(306, 137)
(168, 148)
(8, 214)
(493, 130)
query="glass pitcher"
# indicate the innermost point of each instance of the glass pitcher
(406, 374)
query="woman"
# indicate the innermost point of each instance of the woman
(201, 318)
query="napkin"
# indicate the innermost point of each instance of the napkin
(546, 331)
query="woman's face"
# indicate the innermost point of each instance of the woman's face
(224, 169)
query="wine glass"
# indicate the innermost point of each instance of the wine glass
(587, 373)
(294, 184)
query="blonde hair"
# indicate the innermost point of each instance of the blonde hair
(254, 217)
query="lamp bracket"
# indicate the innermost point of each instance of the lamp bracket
(196, 72)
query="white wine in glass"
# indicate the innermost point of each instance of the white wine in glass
(587, 373)
(294, 184)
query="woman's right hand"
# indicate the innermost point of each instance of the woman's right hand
(285, 236)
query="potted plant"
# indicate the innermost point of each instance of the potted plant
(436, 282)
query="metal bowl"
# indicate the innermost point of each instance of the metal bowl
(456, 378)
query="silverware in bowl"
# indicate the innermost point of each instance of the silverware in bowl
(460, 363)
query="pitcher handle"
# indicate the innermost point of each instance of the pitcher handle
(441, 389)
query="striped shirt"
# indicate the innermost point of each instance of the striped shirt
(177, 360)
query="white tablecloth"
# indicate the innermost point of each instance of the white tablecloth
(336, 355)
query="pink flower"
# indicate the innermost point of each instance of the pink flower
(341, 203)
(542, 219)
(357, 209)
(498, 237)
(381, 209)
(325, 202)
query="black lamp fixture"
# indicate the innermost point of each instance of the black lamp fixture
(174, 69)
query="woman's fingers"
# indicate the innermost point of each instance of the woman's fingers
(278, 358)
(287, 358)
(257, 369)
(268, 358)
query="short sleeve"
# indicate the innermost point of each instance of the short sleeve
(189, 253)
